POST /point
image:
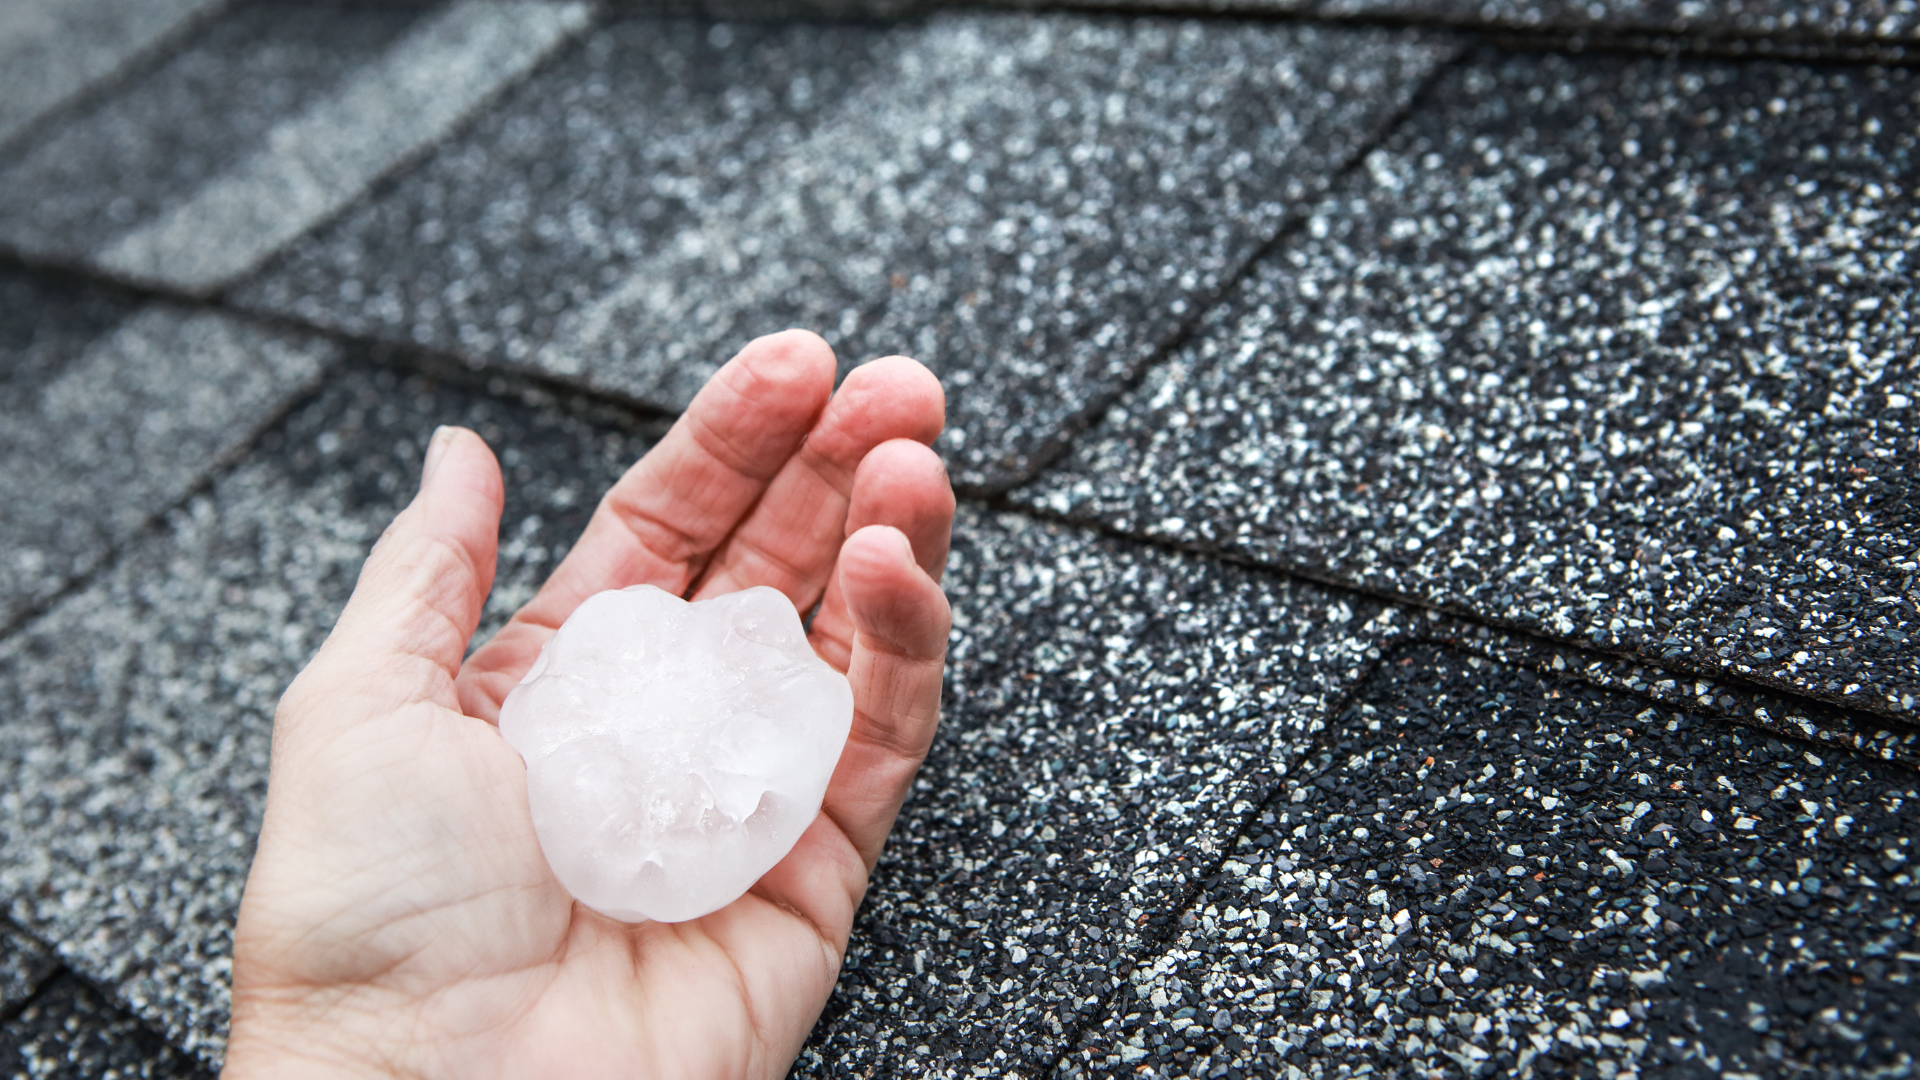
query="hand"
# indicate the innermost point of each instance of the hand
(400, 919)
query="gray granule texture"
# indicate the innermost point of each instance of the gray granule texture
(1030, 205)
(1108, 711)
(70, 1030)
(1617, 351)
(1483, 872)
(128, 159)
(105, 425)
(139, 710)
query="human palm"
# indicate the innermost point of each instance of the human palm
(400, 918)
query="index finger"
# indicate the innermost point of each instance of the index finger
(660, 523)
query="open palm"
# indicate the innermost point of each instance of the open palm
(400, 919)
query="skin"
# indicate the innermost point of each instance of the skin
(400, 920)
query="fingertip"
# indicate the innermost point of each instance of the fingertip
(792, 366)
(904, 462)
(900, 473)
(904, 483)
(750, 417)
(461, 497)
(459, 461)
(904, 387)
(889, 597)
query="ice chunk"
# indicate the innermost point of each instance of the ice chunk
(675, 752)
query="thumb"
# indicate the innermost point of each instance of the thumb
(404, 632)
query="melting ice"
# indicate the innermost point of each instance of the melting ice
(675, 751)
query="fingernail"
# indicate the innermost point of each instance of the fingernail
(436, 449)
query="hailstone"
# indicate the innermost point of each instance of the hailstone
(675, 751)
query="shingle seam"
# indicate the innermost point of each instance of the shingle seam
(396, 356)
(434, 363)
(1078, 423)
(1724, 696)
(492, 380)
(1856, 720)
(61, 972)
(81, 275)
(12, 1012)
(1202, 882)
(138, 65)
(1197, 885)
(152, 525)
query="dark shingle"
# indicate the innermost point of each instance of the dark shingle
(1876, 27)
(1482, 869)
(45, 323)
(1786, 21)
(1620, 351)
(598, 163)
(125, 161)
(1729, 699)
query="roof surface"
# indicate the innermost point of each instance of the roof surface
(1438, 563)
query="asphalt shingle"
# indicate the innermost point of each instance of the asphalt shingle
(1110, 712)
(1615, 350)
(316, 163)
(1605, 361)
(53, 50)
(1486, 872)
(103, 428)
(71, 1032)
(1030, 205)
(269, 124)
(139, 709)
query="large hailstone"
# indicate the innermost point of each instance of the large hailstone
(675, 752)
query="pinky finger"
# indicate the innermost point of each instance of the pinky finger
(899, 645)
